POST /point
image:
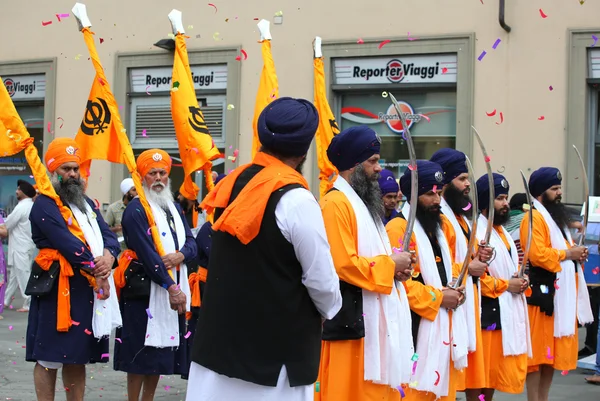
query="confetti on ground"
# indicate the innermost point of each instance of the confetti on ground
(564, 372)
(596, 270)
(86, 331)
(482, 55)
(437, 381)
(548, 353)
(496, 43)
(360, 41)
(187, 335)
(10, 328)
(467, 207)
(167, 388)
(491, 113)
(492, 327)
(542, 14)
(149, 314)
(501, 119)
(45, 23)
(385, 42)
(595, 40)
(541, 118)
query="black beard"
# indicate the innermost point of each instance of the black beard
(430, 219)
(557, 210)
(456, 199)
(368, 190)
(500, 219)
(129, 197)
(71, 191)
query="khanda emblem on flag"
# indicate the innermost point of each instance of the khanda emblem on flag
(97, 117)
(334, 126)
(197, 121)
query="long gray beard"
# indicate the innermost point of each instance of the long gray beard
(163, 198)
(70, 191)
(368, 190)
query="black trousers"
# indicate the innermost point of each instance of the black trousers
(591, 337)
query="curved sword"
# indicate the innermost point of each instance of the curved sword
(586, 189)
(473, 237)
(530, 231)
(414, 177)
(491, 209)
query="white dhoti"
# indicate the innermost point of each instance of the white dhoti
(18, 275)
(206, 385)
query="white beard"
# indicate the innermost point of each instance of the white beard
(163, 198)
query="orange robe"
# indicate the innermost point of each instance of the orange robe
(341, 374)
(503, 373)
(426, 300)
(561, 353)
(473, 377)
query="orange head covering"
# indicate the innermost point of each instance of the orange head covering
(61, 151)
(153, 158)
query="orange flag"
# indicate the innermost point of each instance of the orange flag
(328, 128)
(196, 147)
(102, 135)
(268, 90)
(14, 138)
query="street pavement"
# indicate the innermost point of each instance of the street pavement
(103, 383)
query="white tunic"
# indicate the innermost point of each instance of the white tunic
(20, 244)
(300, 220)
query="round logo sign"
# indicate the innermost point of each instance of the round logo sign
(393, 120)
(10, 86)
(395, 71)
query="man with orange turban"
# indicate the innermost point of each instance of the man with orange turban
(77, 253)
(155, 293)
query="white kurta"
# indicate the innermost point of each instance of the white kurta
(300, 220)
(21, 250)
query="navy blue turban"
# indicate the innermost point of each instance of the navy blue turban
(287, 126)
(219, 178)
(501, 187)
(387, 182)
(26, 188)
(353, 146)
(430, 174)
(543, 179)
(452, 162)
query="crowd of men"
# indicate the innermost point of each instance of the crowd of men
(283, 297)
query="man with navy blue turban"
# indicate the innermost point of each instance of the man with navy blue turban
(389, 192)
(456, 205)
(271, 282)
(559, 297)
(430, 298)
(374, 322)
(504, 320)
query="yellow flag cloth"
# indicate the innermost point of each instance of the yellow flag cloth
(328, 128)
(109, 140)
(196, 146)
(268, 90)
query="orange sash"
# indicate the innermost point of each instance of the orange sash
(45, 259)
(119, 274)
(243, 217)
(194, 280)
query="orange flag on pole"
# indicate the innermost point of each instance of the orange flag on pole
(268, 87)
(108, 139)
(196, 147)
(328, 127)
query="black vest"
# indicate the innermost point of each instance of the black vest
(256, 314)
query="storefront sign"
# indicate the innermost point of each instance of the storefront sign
(159, 79)
(26, 87)
(390, 117)
(594, 63)
(395, 70)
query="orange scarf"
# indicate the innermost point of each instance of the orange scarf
(243, 217)
(63, 311)
(119, 274)
(194, 280)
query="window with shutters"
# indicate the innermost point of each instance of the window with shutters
(152, 125)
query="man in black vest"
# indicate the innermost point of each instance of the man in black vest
(272, 280)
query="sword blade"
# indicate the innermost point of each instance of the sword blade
(586, 189)
(530, 228)
(473, 237)
(488, 167)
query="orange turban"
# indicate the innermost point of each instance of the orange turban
(61, 151)
(153, 158)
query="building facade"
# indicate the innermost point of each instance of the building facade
(530, 85)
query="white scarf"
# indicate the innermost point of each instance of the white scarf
(565, 310)
(461, 252)
(513, 307)
(434, 355)
(106, 315)
(388, 329)
(162, 329)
